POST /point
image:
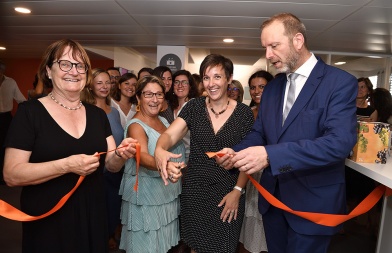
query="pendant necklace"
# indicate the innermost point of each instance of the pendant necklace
(218, 113)
(66, 107)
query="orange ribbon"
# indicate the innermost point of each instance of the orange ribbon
(10, 212)
(330, 220)
(137, 166)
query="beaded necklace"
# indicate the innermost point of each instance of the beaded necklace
(217, 113)
(66, 107)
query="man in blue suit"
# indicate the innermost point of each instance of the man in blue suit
(303, 154)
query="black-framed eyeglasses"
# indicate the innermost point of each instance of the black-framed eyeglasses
(149, 94)
(182, 82)
(66, 66)
(233, 89)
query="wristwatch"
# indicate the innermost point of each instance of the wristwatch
(239, 189)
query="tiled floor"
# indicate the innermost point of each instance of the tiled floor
(357, 238)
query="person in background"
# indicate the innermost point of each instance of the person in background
(365, 112)
(9, 91)
(212, 200)
(165, 74)
(305, 129)
(236, 91)
(144, 72)
(257, 82)
(114, 77)
(382, 103)
(183, 89)
(123, 97)
(150, 214)
(252, 238)
(51, 143)
(200, 85)
(97, 93)
(39, 89)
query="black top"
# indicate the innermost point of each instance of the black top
(365, 111)
(80, 225)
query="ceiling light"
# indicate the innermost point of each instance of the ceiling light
(2, 48)
(228, 40)
(340, 63)
(22, 10)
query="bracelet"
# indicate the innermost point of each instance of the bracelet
(117, 154)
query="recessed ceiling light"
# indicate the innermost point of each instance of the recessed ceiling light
(2, 48)
(22, 10)
(340, 63)
(228, 40)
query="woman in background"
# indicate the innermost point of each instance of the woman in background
(146, 71)
(252, 238)
(236, 91)
(97, 93)
(365, 112)
(124, 97)
(382, 102)
(183, 89)
(165, 74)
(150, 214)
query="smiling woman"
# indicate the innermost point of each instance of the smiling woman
(49, 146)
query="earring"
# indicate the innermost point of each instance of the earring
(138, 107)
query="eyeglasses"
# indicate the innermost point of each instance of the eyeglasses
(66, 66)
(261, 87)
(115, 77)
(183, 82)
(233, 89)
(158, 95)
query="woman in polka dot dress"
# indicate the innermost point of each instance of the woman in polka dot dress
(212, 208)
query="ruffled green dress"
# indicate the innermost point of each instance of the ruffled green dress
(150, 215)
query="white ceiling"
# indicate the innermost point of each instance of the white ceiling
(357, 27)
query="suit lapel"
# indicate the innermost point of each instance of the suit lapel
(313, 81)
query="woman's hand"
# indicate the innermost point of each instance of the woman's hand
(82, 165)
(174, 170)
(225, 160)
(127, 148)
(162, 157)
(230, 209)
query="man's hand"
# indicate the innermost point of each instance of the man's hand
(251, 160)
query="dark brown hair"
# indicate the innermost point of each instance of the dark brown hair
(214, 60)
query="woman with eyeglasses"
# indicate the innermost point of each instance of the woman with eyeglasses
(51, 143)
(252, 238)
(123, 97)
(183, 89)
(236, 91)
(150, 214)
(212, 200)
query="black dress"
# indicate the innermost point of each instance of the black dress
(80, 225)
(206, 183)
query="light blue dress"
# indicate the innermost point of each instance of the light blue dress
(150, 215)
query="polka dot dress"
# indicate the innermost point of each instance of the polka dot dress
(206, 183)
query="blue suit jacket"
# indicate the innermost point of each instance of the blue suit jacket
(307, 153)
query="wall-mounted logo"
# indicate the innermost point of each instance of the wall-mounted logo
(172, 61)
